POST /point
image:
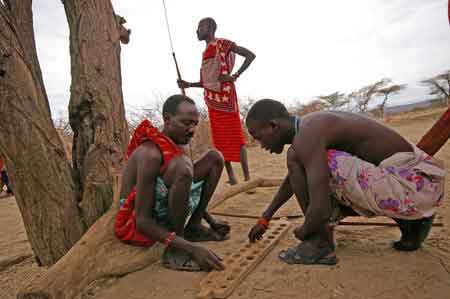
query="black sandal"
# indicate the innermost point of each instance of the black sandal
(306, 254)
(176, 259)
(414, 232)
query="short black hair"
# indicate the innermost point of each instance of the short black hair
(211, 23)
(171, 104)
(266, 110)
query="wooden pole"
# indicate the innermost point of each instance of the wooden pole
(178, 72)
(436, 137)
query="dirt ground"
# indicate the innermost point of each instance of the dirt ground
(368, 267)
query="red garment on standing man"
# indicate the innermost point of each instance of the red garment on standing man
(221, 99)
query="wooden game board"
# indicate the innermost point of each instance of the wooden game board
(239, 264)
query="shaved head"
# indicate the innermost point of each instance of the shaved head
(266, 110)
(211, 23)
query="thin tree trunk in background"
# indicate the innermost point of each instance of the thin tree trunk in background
(96, 109)
(35, 156)
(383, 105)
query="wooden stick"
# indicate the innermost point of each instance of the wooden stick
(254, 216)
(436, 137)
(178, 72)
(357, 223)
(231, 191)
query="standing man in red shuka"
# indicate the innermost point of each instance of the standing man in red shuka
(220, 95)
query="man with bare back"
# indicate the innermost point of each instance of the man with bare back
(343, 164)
(161, 188)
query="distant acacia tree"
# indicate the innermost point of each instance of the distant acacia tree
(334, 101)
(439, 85)
(386, 92)
(302, 109)
(152, 112)
(244, 106)
(365, 95)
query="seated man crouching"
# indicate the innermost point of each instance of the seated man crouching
(161, 188)
(342, 164)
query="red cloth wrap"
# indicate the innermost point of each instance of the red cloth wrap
(226, 127)
(227, 134)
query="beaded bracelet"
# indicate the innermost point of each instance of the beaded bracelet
(170, 237)
(264, 222)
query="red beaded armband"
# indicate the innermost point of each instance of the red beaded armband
(264, 222)
(170, 237)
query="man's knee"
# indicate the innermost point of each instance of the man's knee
(181, 169)
(215, 158)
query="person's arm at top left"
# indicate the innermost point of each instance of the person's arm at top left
(184, 84)
(249, 57)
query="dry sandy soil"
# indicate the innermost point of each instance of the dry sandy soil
(368, 266)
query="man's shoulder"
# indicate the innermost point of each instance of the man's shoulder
(224, 41)
(321, 114)
(321, 120)
(313, 132)
(312, 121)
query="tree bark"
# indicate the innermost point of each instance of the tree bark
(383, 105)
(35, 156)
(58, 204)
(96, 109)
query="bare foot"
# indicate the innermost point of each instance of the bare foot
(201, 233)
(232, 182)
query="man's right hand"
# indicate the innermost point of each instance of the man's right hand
(183, 84)
(207, 259)
(256, 233)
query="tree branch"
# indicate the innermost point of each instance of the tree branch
(124, 32)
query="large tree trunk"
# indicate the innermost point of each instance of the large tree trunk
(96, 110)
(35, 156)
(58, 205)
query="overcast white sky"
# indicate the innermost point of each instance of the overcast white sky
(303, 48)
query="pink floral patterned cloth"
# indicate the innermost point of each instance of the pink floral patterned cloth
(407, 185)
